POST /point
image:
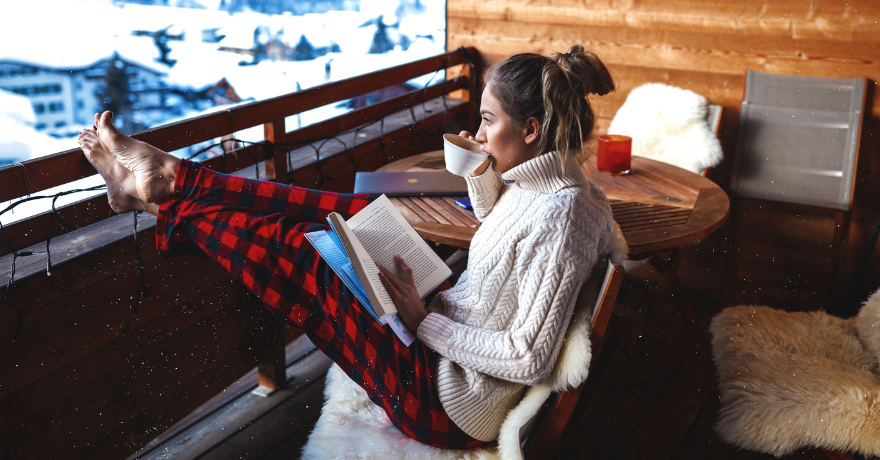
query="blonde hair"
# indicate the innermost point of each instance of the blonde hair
(554, 90)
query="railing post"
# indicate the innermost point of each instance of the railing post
(272, 370)
(274, 133)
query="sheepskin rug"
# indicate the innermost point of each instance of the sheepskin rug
(794, 380)
(352, 427)
(668, 124)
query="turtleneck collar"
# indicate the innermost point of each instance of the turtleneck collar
(544, 174)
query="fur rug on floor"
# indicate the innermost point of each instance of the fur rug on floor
(668, 124)
(795, 380)
(352, 427)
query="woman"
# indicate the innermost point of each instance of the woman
(498, 329)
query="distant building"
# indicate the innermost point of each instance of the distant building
(64, 97)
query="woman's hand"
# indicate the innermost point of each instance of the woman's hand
(485, 164)
(404, 294)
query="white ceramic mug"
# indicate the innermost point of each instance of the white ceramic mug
(462, 155)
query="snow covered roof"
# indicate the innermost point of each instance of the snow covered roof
(20, 141)
(78, 34)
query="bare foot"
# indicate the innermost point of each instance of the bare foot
(153, 169)
(121, 190)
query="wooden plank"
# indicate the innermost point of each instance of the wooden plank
(78, 306)
(174, 404)
(459, 237)
(409, 214)
(126, 390)
(662, 48)
(296, 350)
(396, 127)
(365, 156)
(32, 288)
(702, 441)
(665, 425)
(77, 339)
(413, 208)
(612, 423)
(464, 215)
(70, 357)
(232, 421)
(357, 118)
(426, 204)
(778, 19)
(295, 442)
(297, 413)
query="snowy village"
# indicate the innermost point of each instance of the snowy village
(155, 62)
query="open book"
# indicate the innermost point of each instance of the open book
(375, 235)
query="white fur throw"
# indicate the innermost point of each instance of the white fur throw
(352, 427)
(668, 124)
(794, 380)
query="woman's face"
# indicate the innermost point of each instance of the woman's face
(508, 143)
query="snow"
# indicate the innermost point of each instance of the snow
(72, 34)
(19, 140)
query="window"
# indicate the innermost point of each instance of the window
(56, 106)
(39, 108)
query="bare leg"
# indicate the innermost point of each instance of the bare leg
(121, 186)
(153, 169)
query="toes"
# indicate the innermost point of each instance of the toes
(105, 121)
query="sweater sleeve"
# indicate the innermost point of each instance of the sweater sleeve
(484, 191)
(550, 274)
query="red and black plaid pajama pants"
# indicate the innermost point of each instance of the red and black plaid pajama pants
(256, 229)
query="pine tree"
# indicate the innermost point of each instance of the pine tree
(116, 95)
(381, 42)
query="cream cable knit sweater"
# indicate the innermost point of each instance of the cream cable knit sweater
(501, 326)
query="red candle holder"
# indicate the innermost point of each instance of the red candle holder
(614, 154)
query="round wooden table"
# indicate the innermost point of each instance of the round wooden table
(659, 206)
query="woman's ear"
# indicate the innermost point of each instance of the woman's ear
(531, 130)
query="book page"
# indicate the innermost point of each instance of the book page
(384, 233)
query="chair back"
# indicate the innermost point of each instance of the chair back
(798, 139)
(670, 124)
(597, 297)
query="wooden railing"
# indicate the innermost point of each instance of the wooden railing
(89, 377)
(33, 176)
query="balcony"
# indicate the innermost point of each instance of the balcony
(87, 376)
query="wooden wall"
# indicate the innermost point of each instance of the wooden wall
(707, 47)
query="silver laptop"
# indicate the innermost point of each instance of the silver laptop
(414, 183)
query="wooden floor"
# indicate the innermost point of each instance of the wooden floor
(666, 410)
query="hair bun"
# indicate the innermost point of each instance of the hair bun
(583, 70)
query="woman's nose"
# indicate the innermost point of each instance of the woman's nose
(481, 136)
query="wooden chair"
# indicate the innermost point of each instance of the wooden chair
(679, 127)
(798, 142)
(560, 406)
(666, 263)
(534, 431)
